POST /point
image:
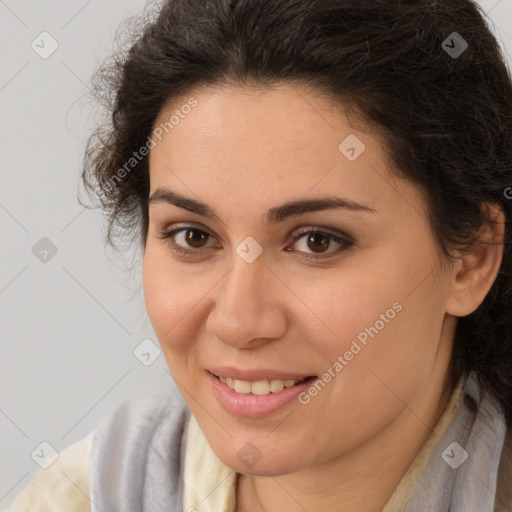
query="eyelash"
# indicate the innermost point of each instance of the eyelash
(296, 236)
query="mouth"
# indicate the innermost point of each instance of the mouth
(258, 398)
(260, 387)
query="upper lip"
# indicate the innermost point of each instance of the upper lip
(256, 374)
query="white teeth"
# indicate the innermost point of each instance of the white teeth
(242, 386)
(260, 387)
(276, 385)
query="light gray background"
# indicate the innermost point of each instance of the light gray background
(68, 326)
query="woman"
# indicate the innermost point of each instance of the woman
(322, 192)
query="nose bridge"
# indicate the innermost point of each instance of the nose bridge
(243, 288)
(245, 306)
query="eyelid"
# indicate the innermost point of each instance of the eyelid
(179, 226)
(317, 229)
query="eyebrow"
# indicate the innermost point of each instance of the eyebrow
(274, 215)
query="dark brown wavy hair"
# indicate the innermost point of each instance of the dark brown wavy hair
(446, 119)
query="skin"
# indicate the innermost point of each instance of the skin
(243, 151)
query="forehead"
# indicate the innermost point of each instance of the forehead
(298, 116)
(287, 141)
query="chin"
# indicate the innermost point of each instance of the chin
(253, 462)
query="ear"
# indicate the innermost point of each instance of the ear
(476, 271)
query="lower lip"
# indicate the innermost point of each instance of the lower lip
(255, 406)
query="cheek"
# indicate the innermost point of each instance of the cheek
(376, 360)
(178, 298)
(373, 324)
(347, 305)
(168, 297)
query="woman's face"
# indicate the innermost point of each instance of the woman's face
(367, 318)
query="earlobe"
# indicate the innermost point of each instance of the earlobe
(476, 271)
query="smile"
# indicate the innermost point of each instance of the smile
(260, 387)
(259, 398)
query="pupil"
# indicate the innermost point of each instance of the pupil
(323, 245)
(193, 240)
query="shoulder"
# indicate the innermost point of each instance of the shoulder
(136, 454)
(62, 486)
(139, 440)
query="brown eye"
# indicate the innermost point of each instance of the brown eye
(318, 242)
(315, 243)
(186, 241)
(196, 238)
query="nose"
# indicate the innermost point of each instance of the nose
(248, 306)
